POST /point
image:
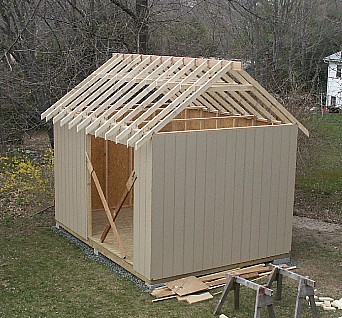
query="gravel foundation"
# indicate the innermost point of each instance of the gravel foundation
(89, 251)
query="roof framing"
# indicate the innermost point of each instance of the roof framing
(132, 89)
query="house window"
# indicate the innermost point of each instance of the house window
(339, 71)
(333, 101)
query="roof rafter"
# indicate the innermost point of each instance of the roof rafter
(133, 96)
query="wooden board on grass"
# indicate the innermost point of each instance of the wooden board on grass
(187, 285)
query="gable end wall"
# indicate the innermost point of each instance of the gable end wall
(221, 197)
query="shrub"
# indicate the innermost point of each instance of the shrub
(26, 180)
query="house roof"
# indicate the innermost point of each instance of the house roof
(336, 57)
(133, 96)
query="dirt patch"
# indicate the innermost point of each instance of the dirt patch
(327, 235)
(326, 206)
(317, 248)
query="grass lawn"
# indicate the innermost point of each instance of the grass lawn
(42, 274)
(319, 169)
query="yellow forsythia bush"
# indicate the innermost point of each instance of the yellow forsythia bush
(26, 183)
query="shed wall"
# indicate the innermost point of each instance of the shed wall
(111, 163)
(220, 197)
(71, 179)
(142, 210)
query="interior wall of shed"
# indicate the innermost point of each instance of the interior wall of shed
(203, 119)
(113, 164)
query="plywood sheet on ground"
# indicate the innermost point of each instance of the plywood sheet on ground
(186, 286)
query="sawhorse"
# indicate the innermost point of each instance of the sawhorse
(305, 288)
(264, 296)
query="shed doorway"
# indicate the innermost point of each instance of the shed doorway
(113, 164)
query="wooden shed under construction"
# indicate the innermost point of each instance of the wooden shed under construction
(172, 166)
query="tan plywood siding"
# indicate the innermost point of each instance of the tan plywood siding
(220, 197)
(71, 179)
(142, 210)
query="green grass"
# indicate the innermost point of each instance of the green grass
(319, 172)
(42, 274)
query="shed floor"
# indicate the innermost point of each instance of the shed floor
(124, 223)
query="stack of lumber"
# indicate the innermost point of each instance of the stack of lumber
(328, 303)
(195, 289)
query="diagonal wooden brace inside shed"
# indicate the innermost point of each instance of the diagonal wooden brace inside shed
(114, 215)
(264, 296)
(105, 205)
(305, 288)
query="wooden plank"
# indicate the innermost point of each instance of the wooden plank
(261, 97)
(179, 204)
(192, 299)
(230, 88)
(169, 199)
(157, 204)
(68, 180)
(189, 204)
(256, 219)
(222, 104)
(265, 191)
(282, 189)
(118, 172)
(51, 111)
(248, 194)
(252, 106)
(57, 172)
(274, 193)
(148, 213)
(220, 172)
(209, 215)
(142, 210)
(187, 285)
(99, 110)
(280, 107)
(105, 204)
(149, 99)
(291, 186)
(98, 90)
(88, 185)
(169, 95)
(138, 193)
(214, 74)
(217, 282)
(138, 93)
(117, 209)
(238, 195)
(200, 163)
(98, 161)
(165, 292)
(227, 247)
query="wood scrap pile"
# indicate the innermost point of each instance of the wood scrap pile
(195, 289)
(328, 303)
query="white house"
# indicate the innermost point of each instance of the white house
(334, 82)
